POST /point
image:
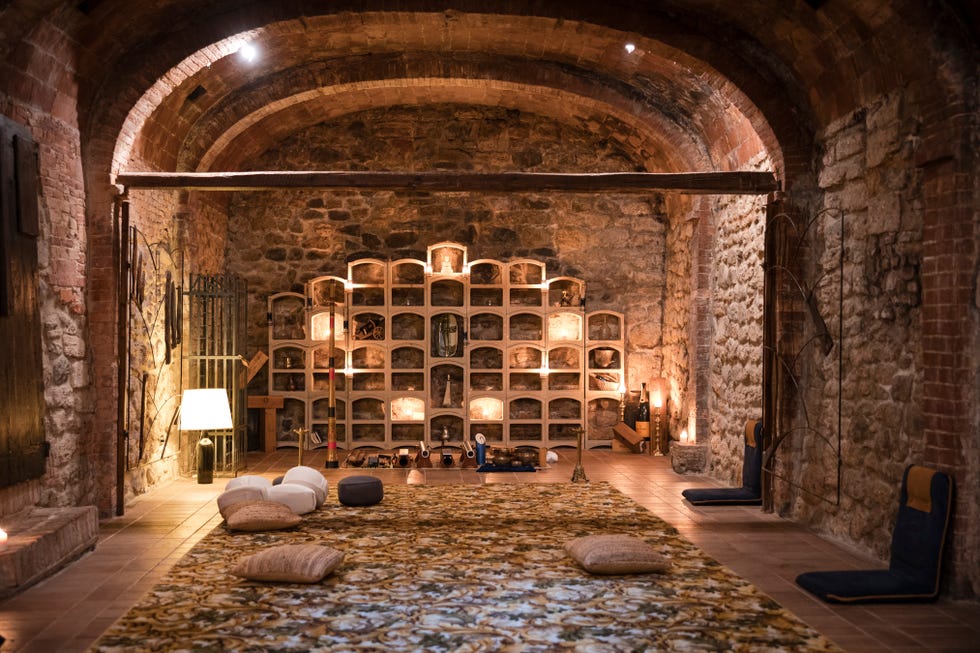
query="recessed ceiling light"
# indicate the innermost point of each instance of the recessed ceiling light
(248, 52)
(629, 48)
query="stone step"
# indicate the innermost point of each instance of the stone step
(40, 541)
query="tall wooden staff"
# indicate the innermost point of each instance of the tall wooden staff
(331, 395)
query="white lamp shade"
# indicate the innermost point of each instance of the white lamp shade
(204, 408)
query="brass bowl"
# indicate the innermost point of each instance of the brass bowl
(501, 457)
(526, 456)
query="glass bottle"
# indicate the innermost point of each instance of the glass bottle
(643, 414)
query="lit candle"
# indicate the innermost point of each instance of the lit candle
(3, 536)
(684, 436)
(658, 401)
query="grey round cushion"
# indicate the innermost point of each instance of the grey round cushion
(360, 490)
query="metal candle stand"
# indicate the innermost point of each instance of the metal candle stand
(578, 475)
(658, 444)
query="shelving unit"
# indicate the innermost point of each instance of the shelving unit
(420, 347)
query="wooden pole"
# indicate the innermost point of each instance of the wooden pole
(771, 370)
(331, 461)
(122, 269)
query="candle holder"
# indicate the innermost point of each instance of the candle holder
(658, 436)
(302, 434)
(658, 439)
(578, 474)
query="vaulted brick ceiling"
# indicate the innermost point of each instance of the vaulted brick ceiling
(710, 84)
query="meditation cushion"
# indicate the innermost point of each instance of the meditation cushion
(750, 494)
(309, 477)
(237, 495)
(252, 480)
(299, 498)
(261, 516)
(360, 490)
(290, 563)
(615, 554)
(915, 567)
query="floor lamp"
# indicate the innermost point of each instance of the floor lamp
(204, 409)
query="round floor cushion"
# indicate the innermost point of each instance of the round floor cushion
(360, 490)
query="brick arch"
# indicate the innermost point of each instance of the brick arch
(671, 79)
(800, 67)
(477, 79)
(657, 149)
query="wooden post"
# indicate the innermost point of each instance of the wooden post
(331, 461)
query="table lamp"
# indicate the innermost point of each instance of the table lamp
(203, 409)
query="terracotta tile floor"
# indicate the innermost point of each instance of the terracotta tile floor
(68, 611)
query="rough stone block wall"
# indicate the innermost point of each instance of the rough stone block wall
(151, 409)
(279, 240)
(870, 183)
(678, 299)
(736, 339)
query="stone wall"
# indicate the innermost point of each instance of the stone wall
(736, 339)
(870, 184)
(678, 363)
(279, 240)
(154, 382)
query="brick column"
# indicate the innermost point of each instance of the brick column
(701, 323)
(948, 322)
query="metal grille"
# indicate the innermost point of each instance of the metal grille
(214, 357)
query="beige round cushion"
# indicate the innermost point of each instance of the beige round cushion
(299, 498)
(308, 477)
(239, 494)
(252, 480)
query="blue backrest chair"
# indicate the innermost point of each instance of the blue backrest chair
(914, 570)
(750, 494)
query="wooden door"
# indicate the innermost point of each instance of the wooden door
(22, 446)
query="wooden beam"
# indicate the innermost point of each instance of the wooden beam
(719, 183)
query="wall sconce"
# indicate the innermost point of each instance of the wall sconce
(203, 409)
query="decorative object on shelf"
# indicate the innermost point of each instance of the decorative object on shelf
(447, 399)
(446, 336)
(205, 409)
(447, 264)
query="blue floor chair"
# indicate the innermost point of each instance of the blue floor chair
(913, 574)
(750, 494)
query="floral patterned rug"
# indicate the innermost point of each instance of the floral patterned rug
(461, 568)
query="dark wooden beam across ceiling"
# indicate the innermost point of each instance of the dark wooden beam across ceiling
(716, 183)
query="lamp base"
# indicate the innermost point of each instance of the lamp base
(205, 461)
